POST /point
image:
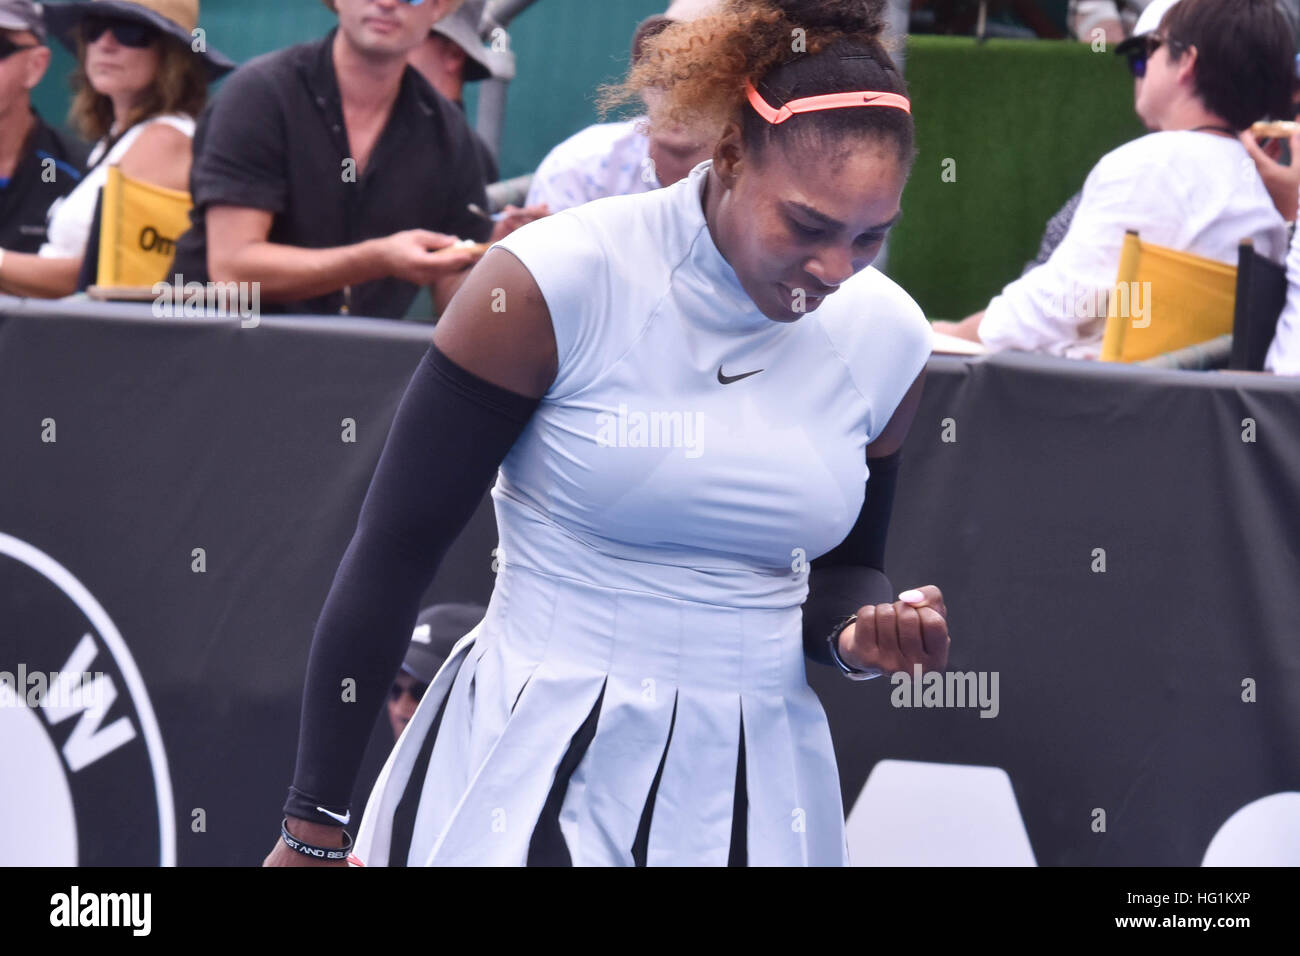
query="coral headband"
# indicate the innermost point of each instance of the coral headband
(830, 101)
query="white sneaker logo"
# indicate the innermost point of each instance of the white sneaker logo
(341, 819)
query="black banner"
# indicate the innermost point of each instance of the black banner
(1117, 547)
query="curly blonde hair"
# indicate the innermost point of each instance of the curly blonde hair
(693, 73)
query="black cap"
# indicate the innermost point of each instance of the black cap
(437, 630)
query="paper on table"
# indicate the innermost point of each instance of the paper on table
(946, 344)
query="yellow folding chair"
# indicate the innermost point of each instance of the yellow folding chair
(1166, 300)
(138, 231)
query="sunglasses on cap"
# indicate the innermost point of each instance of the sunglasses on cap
(130, 33)
(1144, 49)
(8, 47)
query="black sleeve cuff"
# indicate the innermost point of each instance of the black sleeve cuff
(833, 594)
(307, 807)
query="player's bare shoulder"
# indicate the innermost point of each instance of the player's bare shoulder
(498, 326)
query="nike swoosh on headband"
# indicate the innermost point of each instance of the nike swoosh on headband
(828, 101)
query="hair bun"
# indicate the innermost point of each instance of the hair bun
(845, 16)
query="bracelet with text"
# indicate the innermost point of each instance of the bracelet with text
(316, 852)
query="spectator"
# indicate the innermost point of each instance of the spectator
(617, 159)
(1134, 48)
(437, 630)
(1283, 357)
(452, 55)
(138, 86)
(334, 176)
(1282, 180)
(37, 164)
(1212, 69)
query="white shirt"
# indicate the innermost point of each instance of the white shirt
(608, 159)
(1283, 356)
(1196, 192)
(69, 218)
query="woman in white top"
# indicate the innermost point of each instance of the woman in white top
(137, 89)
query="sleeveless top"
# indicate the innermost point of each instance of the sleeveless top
(69, 218)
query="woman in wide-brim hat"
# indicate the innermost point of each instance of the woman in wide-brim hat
(142, 76)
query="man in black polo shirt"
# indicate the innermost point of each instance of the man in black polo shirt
(37, 164)
(334, 176)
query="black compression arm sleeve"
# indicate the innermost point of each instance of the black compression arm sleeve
(449, 435)
(852, 574)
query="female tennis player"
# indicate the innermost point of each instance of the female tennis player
(680, 395)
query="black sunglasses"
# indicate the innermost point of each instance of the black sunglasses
(8, 47)
(1145, 49)
(130, 33)
(417, 691)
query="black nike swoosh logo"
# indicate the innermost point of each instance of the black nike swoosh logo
(728, 379)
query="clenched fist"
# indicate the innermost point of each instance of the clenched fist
(895, 637)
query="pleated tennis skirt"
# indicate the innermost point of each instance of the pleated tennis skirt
(591, 726)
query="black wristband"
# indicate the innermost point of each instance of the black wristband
(315, 852)
(834, 593)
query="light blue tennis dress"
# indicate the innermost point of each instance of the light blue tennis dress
(656, 520)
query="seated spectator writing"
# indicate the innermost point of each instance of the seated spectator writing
(335, 176)
(618, 159)
(37, 164)
(137, 88)
(1213, 68)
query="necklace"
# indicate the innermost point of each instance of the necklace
(1221, 129)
